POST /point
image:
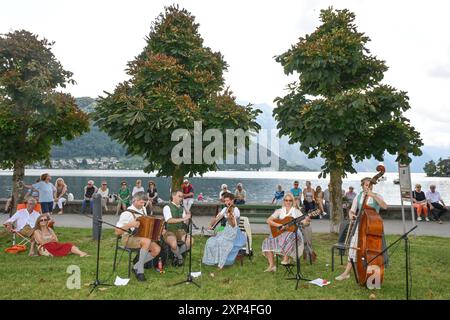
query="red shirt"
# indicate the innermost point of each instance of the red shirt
(187, 189)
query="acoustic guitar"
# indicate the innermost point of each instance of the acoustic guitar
(276, 231)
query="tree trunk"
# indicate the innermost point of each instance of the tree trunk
(177, 179)
(17, 182)
(336, 200)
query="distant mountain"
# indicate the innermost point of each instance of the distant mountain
(293, 155)
(93, 144)
(96, 144)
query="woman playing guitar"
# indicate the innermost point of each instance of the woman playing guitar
(283, 243)
(366, 199)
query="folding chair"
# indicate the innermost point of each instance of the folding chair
(244, 226)
(126, 249)
(24, 239)
(340, 245)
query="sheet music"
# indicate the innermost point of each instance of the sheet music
(320, 282)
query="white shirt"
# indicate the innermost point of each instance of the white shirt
(104, 194)
(136, 190)
(281, 213)
(22, 218)
(433, 196)
(168, 214)
(370, 202)
(224, 213)
(222, 192)
(127, 217)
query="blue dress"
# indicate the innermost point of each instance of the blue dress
(223, 248)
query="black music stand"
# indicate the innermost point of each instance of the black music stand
(298, 276)
(189, 278)
(97, 281)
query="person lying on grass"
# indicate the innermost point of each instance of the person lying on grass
(47, 241)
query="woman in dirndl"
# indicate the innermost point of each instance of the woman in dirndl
(47, 241)
(284, 244)
(375, 201)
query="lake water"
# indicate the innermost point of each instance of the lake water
(260, 186)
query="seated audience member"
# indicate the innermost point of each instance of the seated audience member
(348, 199)
(433, 199)
(420, 203)
(61, 194)
(8, 205)
(240, 195)
(104, 193)
(152, 194)
(318, 194)
(24, 221)
(297, 193)
(309, 201)
(224, 190)
(279, 195)
(47, 241)
(89, 192)
(138, 187)
(124, 195)
(188, 194)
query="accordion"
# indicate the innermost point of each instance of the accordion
(150, 227)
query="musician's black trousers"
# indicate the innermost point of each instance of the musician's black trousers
(438, 210)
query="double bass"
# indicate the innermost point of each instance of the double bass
(370, 239)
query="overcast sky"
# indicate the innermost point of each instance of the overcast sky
(95, 39)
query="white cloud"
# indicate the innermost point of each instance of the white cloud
(95, 39)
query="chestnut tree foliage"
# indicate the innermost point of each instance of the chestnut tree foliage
(339, 109)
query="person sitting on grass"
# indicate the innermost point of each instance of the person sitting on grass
(47, 241)
(25, 221)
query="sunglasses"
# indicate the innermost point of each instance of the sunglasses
(43, 220)
(288, 200)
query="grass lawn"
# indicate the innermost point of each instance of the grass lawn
(24, 277)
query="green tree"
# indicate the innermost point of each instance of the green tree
(175, 81)
(33, 115)
(443, 167)
(430, 168)
(338, 109)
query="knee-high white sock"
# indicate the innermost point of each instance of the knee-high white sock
(183, 249)
(139, 266)
(177, 253)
